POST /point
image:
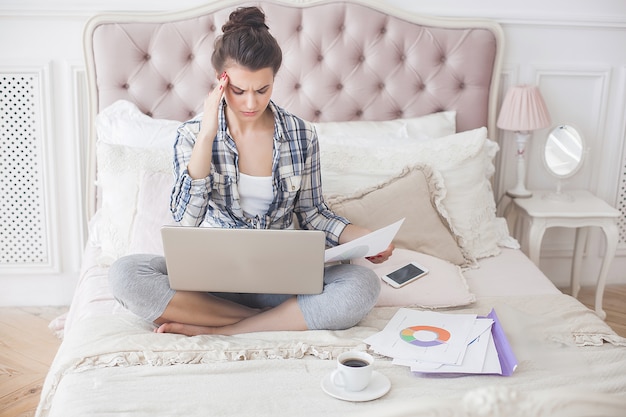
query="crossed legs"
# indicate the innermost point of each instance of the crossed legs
(139, 283)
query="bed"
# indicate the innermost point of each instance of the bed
(405, 107)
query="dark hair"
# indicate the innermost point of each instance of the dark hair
(246, 40)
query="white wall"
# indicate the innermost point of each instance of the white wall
(574, 50)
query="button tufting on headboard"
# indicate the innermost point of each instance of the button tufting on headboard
(342, 61)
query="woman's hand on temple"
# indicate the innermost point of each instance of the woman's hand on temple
(211, 108)
(200, 162)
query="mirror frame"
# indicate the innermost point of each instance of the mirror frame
(582, 155)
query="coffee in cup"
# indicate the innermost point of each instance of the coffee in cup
(354, 371)
(354, 363)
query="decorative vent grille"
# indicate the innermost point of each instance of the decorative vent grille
(23, 229)
(621, 205)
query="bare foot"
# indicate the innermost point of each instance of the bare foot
(186, 329)
(286, 316)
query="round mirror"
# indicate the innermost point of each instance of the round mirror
(564, 150)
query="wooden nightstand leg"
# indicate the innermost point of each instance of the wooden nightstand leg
(579, 248)
(611, 235)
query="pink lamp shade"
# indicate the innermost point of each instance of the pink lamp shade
(523, 110)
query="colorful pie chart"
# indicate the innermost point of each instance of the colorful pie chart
(425, 336)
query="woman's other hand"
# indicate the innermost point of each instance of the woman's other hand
(382, 256)
(353, 231)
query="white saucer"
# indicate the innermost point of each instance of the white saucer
(379, 386)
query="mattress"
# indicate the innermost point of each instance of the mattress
(114, 364)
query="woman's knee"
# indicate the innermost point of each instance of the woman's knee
(350, 294)
(372, 284)
(119, 273)
(361, 281)
(127, 273)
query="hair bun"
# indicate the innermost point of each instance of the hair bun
(246, 41)
(245, 18)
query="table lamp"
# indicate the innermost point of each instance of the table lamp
(523, 110)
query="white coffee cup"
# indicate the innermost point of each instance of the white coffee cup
(354, 371)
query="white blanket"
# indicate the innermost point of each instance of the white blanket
(115, 365)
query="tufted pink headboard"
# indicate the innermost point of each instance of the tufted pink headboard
(348, 60)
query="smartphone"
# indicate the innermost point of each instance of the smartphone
(405, 275)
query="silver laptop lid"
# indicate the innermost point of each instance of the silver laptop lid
(244, 260)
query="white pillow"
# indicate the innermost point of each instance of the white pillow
(120, 169)
(464, 160)
(129, 144)
(373, 159)
(153, 212)
(122, 123)
(444, 285)
(434, 125)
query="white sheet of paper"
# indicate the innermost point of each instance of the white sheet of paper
(478, 359)
(481, 326)
(492, 361)
(368, 245)
(481, 358)
(389, 341)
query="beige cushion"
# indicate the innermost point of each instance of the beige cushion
(415, 195)
(443, 286)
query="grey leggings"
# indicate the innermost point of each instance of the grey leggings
(140, 284)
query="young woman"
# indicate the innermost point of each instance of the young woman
(247, 163)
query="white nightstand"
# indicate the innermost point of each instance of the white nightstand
(584, 211)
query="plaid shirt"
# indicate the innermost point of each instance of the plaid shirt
(214, 201)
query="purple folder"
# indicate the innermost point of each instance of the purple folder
(507, 359)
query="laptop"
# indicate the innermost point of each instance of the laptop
(244, 260)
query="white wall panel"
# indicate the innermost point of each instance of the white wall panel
(27, 222)
(577, 96)
(80, 128)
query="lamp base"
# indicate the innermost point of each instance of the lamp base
(519, 193)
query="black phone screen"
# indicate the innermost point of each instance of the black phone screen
(405, 273)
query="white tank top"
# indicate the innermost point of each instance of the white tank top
(256, 194)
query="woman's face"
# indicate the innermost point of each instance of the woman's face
(248, 92)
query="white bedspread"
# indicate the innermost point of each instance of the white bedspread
(115, 365)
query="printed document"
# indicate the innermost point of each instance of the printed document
(368, 245)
